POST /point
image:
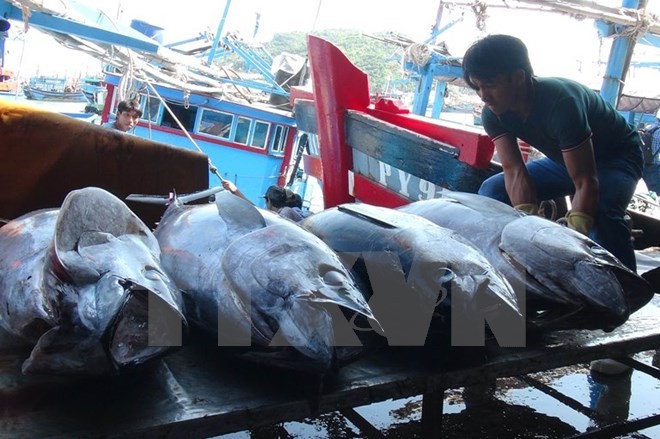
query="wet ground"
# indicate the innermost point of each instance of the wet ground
(512, 409)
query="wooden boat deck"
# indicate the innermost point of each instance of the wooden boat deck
(198, 392)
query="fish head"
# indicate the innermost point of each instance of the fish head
(114, 325)
(583, 284)
(115, 305)
(471, 289)
(299, 293)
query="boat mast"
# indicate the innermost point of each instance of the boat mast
(218, 33)
(619, 59)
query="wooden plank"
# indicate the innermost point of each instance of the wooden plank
(37, 172)
(411, 153)
(475, 147)
(620, 429)
(200, 391)
(368, 430)
(305, 112)
(572, 403)
(432, 406)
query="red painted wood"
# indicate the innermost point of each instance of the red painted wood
(329, 68)
(313, 166)
(300, 92)
(475, 147)
(370, 192)
(105, 114)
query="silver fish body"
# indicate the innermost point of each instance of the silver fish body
(82, 284)
(416, 272)
(566, 280)
(270, 287)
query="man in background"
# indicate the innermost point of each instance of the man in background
(280, 200)
(128, 115)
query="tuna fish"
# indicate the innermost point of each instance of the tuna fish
(269, 287)
(566, 280)
(82, 285)
(418, 274)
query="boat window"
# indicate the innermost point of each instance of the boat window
(150, 108)
(242, 130)
(216, 123)
(260, 134)
(185, 115)
(279, 139)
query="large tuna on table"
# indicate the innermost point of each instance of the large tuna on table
(418, 273)
(83, 286)
(268, 287)
(566, 280)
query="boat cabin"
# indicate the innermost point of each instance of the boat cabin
(244, 142)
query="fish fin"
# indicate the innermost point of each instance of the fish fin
(60, 351)
(653, 278)
(160, 200)
(367, 214)
(238, 212)
(167, 199)
(480, 203)
(87, 217)
(194, 196)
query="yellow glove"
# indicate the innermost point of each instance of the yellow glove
(580, 222)
(528, 208)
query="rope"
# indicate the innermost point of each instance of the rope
(212, 167)
(418, 54)
(241, 94)
(128, 88)
(643, 22)
(316, 17)
(479, 9)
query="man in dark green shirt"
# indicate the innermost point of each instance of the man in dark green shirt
(592, 153)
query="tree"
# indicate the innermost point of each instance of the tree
(374, 57)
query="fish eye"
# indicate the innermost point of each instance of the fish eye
(445, 275)
(333, 277)
(152, 273)
(598, 250)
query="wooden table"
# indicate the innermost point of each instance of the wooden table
(199, 392)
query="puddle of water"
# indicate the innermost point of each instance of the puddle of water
(517, 410)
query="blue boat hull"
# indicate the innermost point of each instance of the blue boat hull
(46, 95)
(248, 144)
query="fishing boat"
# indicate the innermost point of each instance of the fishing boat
(95, 91)
(8, 84)
(46, 88)
(240, 120)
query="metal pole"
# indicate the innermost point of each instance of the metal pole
(617, 64)
(218, 33)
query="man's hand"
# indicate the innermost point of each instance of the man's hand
(580, 222)
(229, 186)
(528, 208)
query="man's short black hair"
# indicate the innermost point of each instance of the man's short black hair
(280, 197)
(295, 201)
(277, 196)
(129, 105)
(494, 55)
